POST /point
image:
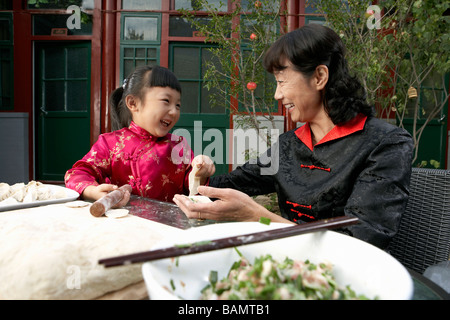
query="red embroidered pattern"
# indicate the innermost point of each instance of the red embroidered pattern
(314, 167)
(303, 214)
(298, 212)
(299, 205)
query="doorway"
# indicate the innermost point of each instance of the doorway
(62, 107)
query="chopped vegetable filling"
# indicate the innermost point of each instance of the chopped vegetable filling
(268, 279)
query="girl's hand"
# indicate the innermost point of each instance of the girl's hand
(206, 167)
(94, 193)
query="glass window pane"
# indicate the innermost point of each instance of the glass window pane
(44, 23)
(5, 68)
(141, 28)
(54, 63)
(5, 32)
(206, 106)
(209, 58)
(142, 4)
(140, 53)
(6, 78)
(128, 52)
(77, 62)
(152, 62)
(58, 4)
(6, 5)
(430, 98)
(189, 97)
(140, 63)
(77, 96)
(5, 103)
(249, 5)
(151, 53)
(180, 27)
(128, 67)
(311, 6)
(186, 62)
(54, 92)
(219, 5)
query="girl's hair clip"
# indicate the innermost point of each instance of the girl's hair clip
(125, 81)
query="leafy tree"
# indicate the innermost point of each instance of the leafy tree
(235, 74)
(398, 48)
(400, 52)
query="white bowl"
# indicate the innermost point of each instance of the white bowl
(367, 269)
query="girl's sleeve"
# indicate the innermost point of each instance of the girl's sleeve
(381, 191)
(93, 169)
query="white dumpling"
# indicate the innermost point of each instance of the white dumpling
(200, 199)
(194, 181)
(43, 193)
(8, 201)
(19, 194)
(59, 194)
(16, 187)
(30, 196)
(4, 191)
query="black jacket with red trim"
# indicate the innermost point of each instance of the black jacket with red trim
(360, 169)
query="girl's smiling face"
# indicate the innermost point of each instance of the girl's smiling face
(158, 110)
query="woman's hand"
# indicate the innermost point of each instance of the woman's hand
(232, 205)
(94, 193)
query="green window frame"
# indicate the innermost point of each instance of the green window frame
(6, 63)
(137, 52)
(65, 78)
(128, 17)
(196, 80)
(132, 56)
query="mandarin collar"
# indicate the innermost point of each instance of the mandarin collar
(133, 127)
(338, 131)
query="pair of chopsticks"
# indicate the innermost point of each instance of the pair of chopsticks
(228, 242)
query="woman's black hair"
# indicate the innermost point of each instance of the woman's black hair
(313, 45)
(142, 77)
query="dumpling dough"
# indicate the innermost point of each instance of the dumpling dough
(52, 252)
(199, 199)
(194, 182)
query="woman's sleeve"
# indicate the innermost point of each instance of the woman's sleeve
(254, 177)
(381, 191)
(93, 169)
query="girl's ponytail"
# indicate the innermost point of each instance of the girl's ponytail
(120, 115)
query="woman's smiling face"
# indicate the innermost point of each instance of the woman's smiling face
(158, 111)
(298, 94)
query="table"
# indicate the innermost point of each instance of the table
(425, 289)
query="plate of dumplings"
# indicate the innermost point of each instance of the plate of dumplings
(33, 194)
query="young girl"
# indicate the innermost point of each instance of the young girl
(140, 152)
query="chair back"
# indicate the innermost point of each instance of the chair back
(423, 238)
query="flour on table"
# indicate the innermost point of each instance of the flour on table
(52, 252)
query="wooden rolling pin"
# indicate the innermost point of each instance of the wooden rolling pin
(105, 203)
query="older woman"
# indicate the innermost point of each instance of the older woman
(342, 161)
